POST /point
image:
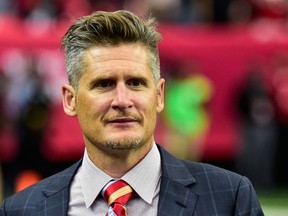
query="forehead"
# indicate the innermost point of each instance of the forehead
(121, 56)
(111, 62)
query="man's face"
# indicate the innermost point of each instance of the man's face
(117, 98)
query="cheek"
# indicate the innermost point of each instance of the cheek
(95, 111)
(84, 107)
(148, 105)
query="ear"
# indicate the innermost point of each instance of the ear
(68, 97)
(160, 91)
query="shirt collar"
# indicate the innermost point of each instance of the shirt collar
(92, 180)
(143, 178)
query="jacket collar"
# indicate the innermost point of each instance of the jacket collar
(63, 180)
(57, 193)
(176, 196)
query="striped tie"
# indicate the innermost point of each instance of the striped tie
(117, 195)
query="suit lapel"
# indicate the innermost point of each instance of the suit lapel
(175, 198)
(57, 193)
(56, 204)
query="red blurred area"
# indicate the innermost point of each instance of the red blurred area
(223, 54)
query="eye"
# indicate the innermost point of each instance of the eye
(136, 82)
(104, 84)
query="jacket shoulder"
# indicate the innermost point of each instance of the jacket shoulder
(208, 170)
(205, 177)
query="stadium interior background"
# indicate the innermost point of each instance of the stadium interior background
(226, 67)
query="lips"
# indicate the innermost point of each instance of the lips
(122, 120)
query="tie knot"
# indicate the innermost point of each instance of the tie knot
(118, 192)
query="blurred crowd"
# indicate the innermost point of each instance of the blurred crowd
(25, 99)
(24, 104)
(185, 11)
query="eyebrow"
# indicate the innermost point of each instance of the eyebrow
(100, 77)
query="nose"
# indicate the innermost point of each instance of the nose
(121, 98)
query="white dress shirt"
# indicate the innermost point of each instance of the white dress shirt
(144, 178)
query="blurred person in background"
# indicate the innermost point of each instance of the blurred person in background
(279, 83)
(1, 185)
(5, 6)
(3, 81)
(8, 143)
(270, 9)
(115, 90)
(25, 108)
(247, 11)
(36, 9)
(259, 132)
(182, 11)
(31, 122)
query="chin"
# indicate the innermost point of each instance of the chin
(124, 143)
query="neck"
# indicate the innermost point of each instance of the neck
(116, 163)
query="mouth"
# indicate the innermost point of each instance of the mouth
(122, 121)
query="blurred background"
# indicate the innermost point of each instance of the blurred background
(226, 67)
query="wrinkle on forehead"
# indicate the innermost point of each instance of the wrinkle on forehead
(120, 52)
(123, 56)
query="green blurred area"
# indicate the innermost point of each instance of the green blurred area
(275, 203)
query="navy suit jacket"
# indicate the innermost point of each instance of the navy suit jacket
(187, 188)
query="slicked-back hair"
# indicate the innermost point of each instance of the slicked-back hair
(109, 29)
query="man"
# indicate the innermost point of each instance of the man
(115, 90)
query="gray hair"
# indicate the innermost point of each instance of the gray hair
(109, 29)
